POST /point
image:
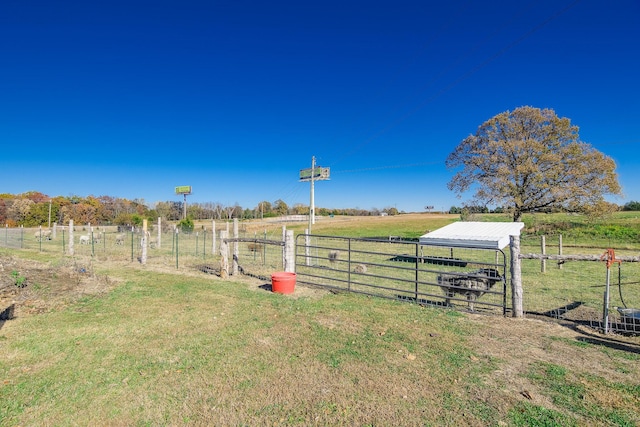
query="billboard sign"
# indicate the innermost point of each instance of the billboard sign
(319, 174)
(183, 189)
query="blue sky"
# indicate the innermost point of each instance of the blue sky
(131, 99)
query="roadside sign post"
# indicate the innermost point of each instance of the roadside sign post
(185, 190)
(315, 173)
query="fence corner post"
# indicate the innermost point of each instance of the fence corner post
(516, 277)
(289, 252)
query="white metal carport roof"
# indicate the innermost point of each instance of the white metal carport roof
(484, 235)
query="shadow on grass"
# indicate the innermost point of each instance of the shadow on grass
(6, 314)
(266, 287)
(607, 341)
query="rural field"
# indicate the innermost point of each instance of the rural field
(104, 340)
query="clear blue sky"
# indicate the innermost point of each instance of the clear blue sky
(133, 98)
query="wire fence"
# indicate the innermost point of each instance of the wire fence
(572, 290)
(198, 249)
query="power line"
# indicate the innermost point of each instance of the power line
(413, 165)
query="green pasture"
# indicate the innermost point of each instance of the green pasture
(172, 349)
(173, 346)
(560, 285)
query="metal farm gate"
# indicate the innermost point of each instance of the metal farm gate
(463, 277)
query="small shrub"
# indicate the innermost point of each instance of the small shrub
(18, 280)
(186, 225)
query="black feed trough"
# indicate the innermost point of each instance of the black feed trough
(452, 262)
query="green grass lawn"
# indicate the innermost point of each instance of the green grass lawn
(165, 349)
(174, 347)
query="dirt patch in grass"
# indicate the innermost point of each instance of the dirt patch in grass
(522, 344)
(30, 287)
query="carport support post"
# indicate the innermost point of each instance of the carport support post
(289, 252)
(516, 277)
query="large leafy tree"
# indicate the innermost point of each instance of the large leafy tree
(280, 207)
(530, 159)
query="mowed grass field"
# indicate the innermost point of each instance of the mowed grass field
(164, 347)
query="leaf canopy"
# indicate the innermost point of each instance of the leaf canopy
(529, 159)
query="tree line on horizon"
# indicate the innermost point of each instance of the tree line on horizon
(33, 209)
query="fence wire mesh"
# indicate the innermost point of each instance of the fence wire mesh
(570, 290)
(575, 289)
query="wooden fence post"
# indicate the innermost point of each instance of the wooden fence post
(224, 254)
(560, 250)
(289, 252)
(307, 247)
(284, 254)
(516, 277)
(159, 241)
(71, 249)
(213, 237)
(543, 251)
(144, 243)
(236, 247)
